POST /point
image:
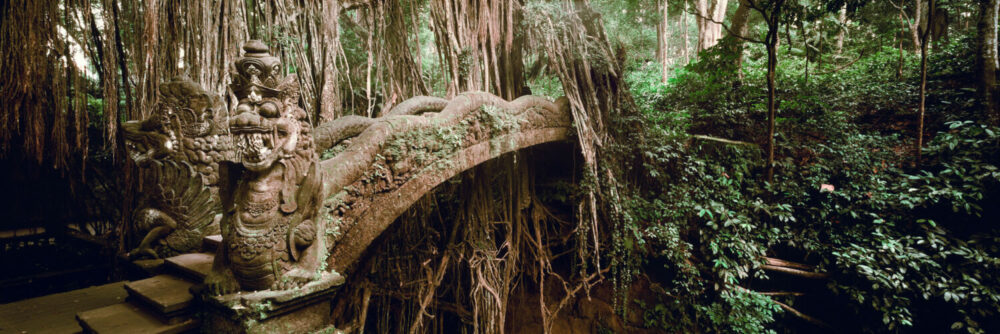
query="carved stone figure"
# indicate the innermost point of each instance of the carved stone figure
(188, 124)
(271, 190)
(178, 213)
(178, 148)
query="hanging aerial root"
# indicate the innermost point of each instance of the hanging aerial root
(429, 290)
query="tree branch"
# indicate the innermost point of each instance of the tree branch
(722, 140)
(839, 68)
(791, 310)
(801, 315)
(783, 263)
(782, 293)
(795, 272)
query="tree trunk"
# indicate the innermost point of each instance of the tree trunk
(740, 26)
(393, 61)
(663, 38)
(701, 7)
(842, 30)
(685, 53)
(330, 106)
(710, 16)
(805, 47)
(915, 25)
(988, 62)
(923, 81)
(900, 37)
(773, 19)
(772, 62)
(123, 68)
(939, 25)
(718, 15)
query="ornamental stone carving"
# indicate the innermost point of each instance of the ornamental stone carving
(178, 148)
(270, 188)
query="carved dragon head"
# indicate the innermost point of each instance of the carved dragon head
(185, 110)
(269, 125)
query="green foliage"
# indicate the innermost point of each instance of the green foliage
(908, 248)
(700, 211)
(921, 241)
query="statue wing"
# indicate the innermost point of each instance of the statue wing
(189, 199)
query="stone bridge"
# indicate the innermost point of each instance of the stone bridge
(397, 159)
(374, 170)
(293, 205)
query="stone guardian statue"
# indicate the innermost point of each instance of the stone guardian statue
(271, 189)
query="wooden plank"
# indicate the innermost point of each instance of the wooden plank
(128, 318)
(167, 294)
(54, 313)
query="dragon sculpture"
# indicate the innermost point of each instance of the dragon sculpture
(271, 188)
(178, 148)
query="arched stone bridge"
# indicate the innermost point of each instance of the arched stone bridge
(289, 201)
(374, 168)
(397, 159)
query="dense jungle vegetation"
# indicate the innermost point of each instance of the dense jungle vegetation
(740, 166)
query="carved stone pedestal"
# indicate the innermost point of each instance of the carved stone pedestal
(302, 310)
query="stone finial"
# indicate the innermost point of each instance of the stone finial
(254, 47)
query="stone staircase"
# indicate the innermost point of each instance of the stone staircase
(159, 304)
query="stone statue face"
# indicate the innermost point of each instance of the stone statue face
(263, 135)
(185, 110)
(267, 126)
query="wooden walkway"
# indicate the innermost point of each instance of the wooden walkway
(56, 313)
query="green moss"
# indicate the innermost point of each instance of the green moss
(333, 224)
(426, 147)
(499, 120)
(329, 330)
(333, 151)
(501, 123)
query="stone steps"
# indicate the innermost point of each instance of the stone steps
(159, 304)
(130, 318)
(194, 266)
(151, 267)
(168, 295)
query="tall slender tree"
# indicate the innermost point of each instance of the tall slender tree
(771, 10)
(663, 39)
(841, 28)
(924, 41)
(987, 58)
